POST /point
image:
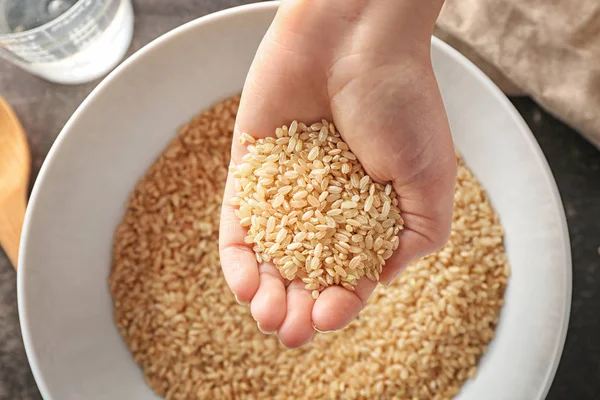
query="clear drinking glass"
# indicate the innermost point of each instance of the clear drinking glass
(65, 41)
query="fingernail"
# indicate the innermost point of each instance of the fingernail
(241, 303)
(281, 343)
(316, 329)
(264, 332)
(391, 281)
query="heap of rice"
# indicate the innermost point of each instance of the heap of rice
(421, 338)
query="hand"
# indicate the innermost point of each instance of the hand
(366, 66)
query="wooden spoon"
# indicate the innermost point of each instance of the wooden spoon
(15, 167)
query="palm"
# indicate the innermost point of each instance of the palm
(374, 107)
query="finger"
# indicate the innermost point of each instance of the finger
(420, 237)
(336, 307)
(427, 203)
(237, 257)
(297, 328)
(268, 306)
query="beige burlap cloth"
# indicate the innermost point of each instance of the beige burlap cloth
(548, 49)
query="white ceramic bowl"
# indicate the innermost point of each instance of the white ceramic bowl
(65, 306)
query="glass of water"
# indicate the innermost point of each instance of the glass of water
(65, 41)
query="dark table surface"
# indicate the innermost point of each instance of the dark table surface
(44, 108)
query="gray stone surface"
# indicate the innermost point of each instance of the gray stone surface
(44, 108)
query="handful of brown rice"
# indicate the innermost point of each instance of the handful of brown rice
(311, 208)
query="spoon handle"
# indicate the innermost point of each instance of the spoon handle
(12, 213)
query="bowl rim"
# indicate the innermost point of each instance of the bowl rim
(556, 200)
(23, 269)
